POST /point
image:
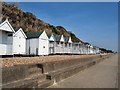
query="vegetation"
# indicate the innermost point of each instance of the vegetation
(74, 37)
(30, 22)
(105, 50)
(54, 30)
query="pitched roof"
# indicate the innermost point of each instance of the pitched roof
(49, 35)
(66, 39)
(58, 37)
(95, 47)
(33, 34)
(86, 43)
(77, 43)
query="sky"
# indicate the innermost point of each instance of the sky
(96, 23)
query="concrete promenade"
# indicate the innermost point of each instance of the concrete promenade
(101, 75)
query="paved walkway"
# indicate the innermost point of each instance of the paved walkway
(101, 75)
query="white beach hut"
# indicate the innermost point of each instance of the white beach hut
(68, 45)
(77, 48)
(59, 44)
(19, 42)
(51, 43)
(6, 38)
(37, 43)
(91, 49)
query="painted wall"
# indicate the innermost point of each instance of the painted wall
(68, 48)
(3, 47)
(51, 47)
(32, 46)
(43, 44)
(91, 50)
(10, 45)
(76, 49)
(6, 43)
(3, 50)
(59, 47)
(0, 37)
(43, 47)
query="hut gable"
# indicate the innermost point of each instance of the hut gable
(51, 37)
(70, 40)
(20, 33)
(44, 36)
(59, 38)
(6, 26)
(62, 39)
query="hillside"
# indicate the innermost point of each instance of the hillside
(29, 22)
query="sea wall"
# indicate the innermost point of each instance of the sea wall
(42, 75)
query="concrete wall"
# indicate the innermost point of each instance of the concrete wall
(29, 76)
(20, 76)
(56, 65)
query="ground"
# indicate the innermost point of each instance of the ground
(102, 75)
(7, 62)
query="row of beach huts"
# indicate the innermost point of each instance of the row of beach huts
(16, 42)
